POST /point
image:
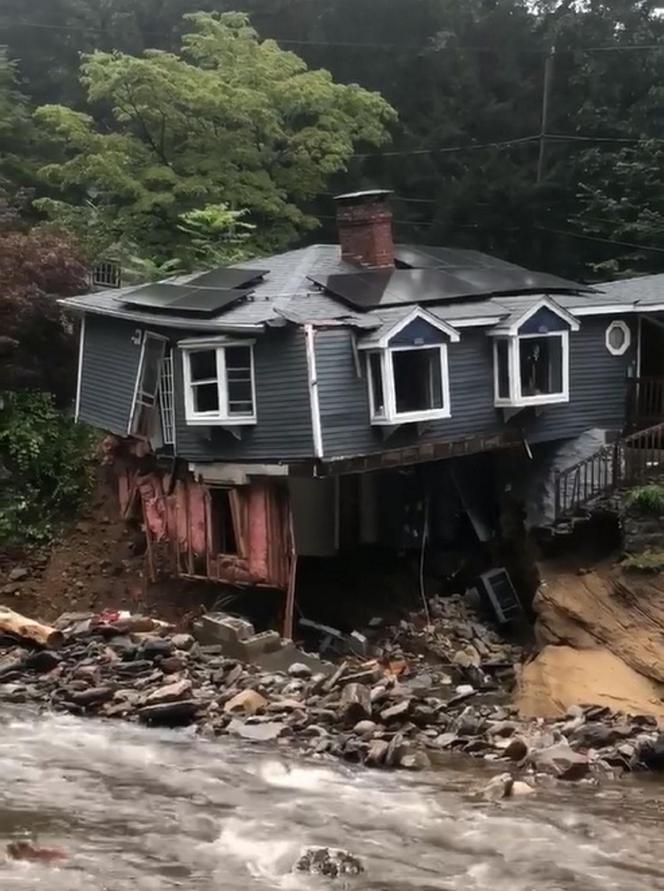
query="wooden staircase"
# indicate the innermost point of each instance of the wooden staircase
(630, 461)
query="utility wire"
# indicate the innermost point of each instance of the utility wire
(640, 247)
(415, 47)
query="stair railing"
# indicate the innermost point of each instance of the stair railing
(630, 461)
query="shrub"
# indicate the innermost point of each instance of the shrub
(46, 467)
(647, 500)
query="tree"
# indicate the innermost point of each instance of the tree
(232, 120)
(37, 347)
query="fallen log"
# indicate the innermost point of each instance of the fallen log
(19, 626)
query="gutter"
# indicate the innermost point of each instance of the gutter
(314, 402)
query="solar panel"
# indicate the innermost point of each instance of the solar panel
(207, 301)
(226, 278)
(461, 262)
(184, 299)
(392, 287)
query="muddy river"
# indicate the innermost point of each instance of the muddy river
(143, 810)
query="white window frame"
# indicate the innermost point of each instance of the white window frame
(391, 415)
(221, 416)
(624, 327)
(136, 398)
(516, 399)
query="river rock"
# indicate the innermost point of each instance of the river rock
(417, 760)
(329, 862)
(264, 732)
(397, 712)
(154, 647)
(377, 752)
(169, 714)
(595, 735)
(17, 574)
(183, 641)
(355, 703)
(92, 696)
(247, 701)
(170, 693)
(516, 750)
(299, 670)
(365, 728)
(561, 761)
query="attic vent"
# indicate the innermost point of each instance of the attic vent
(498, 588)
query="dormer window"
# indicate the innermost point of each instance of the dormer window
(531, 357)
(407, 370)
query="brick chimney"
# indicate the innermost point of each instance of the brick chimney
(364, 221)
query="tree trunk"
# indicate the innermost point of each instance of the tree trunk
(27, 629)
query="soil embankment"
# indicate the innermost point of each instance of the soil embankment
(602, 635)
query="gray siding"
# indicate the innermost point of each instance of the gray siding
(597, 394)
(110, 363)
(283, 430)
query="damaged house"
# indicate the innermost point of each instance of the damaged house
(364, 393)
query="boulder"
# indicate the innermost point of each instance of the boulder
(560, 677)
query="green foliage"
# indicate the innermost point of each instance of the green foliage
(647, 562)
(231, 123)
(45, 467)
(461, 73)
(647, 500)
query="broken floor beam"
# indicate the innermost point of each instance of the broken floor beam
(422, 453)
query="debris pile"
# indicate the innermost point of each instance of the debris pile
(396, 710)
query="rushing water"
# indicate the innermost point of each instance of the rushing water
(142, 810)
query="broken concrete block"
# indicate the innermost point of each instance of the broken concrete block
(222, 628)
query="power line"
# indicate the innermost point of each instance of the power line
(452, 148)
(640, 247)
(415, 47)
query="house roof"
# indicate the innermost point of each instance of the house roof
(287, 293)
(642, 290)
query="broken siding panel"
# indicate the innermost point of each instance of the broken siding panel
(283, 431)
(598, 383)
(108, 373)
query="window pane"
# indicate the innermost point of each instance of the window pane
(503, 370)
(616, 337)
(154, 351)
(238, 381)
(417, 380)
(203, 364)
(377, 384)
(541, 362)
(238, 358)
(206, 397)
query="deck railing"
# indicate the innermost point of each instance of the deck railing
(634, 459)
(645, 401)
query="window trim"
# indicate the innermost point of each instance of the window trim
(624, 327)
(392, 416)
(515, 398)
(219, 417)
(135, 401)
